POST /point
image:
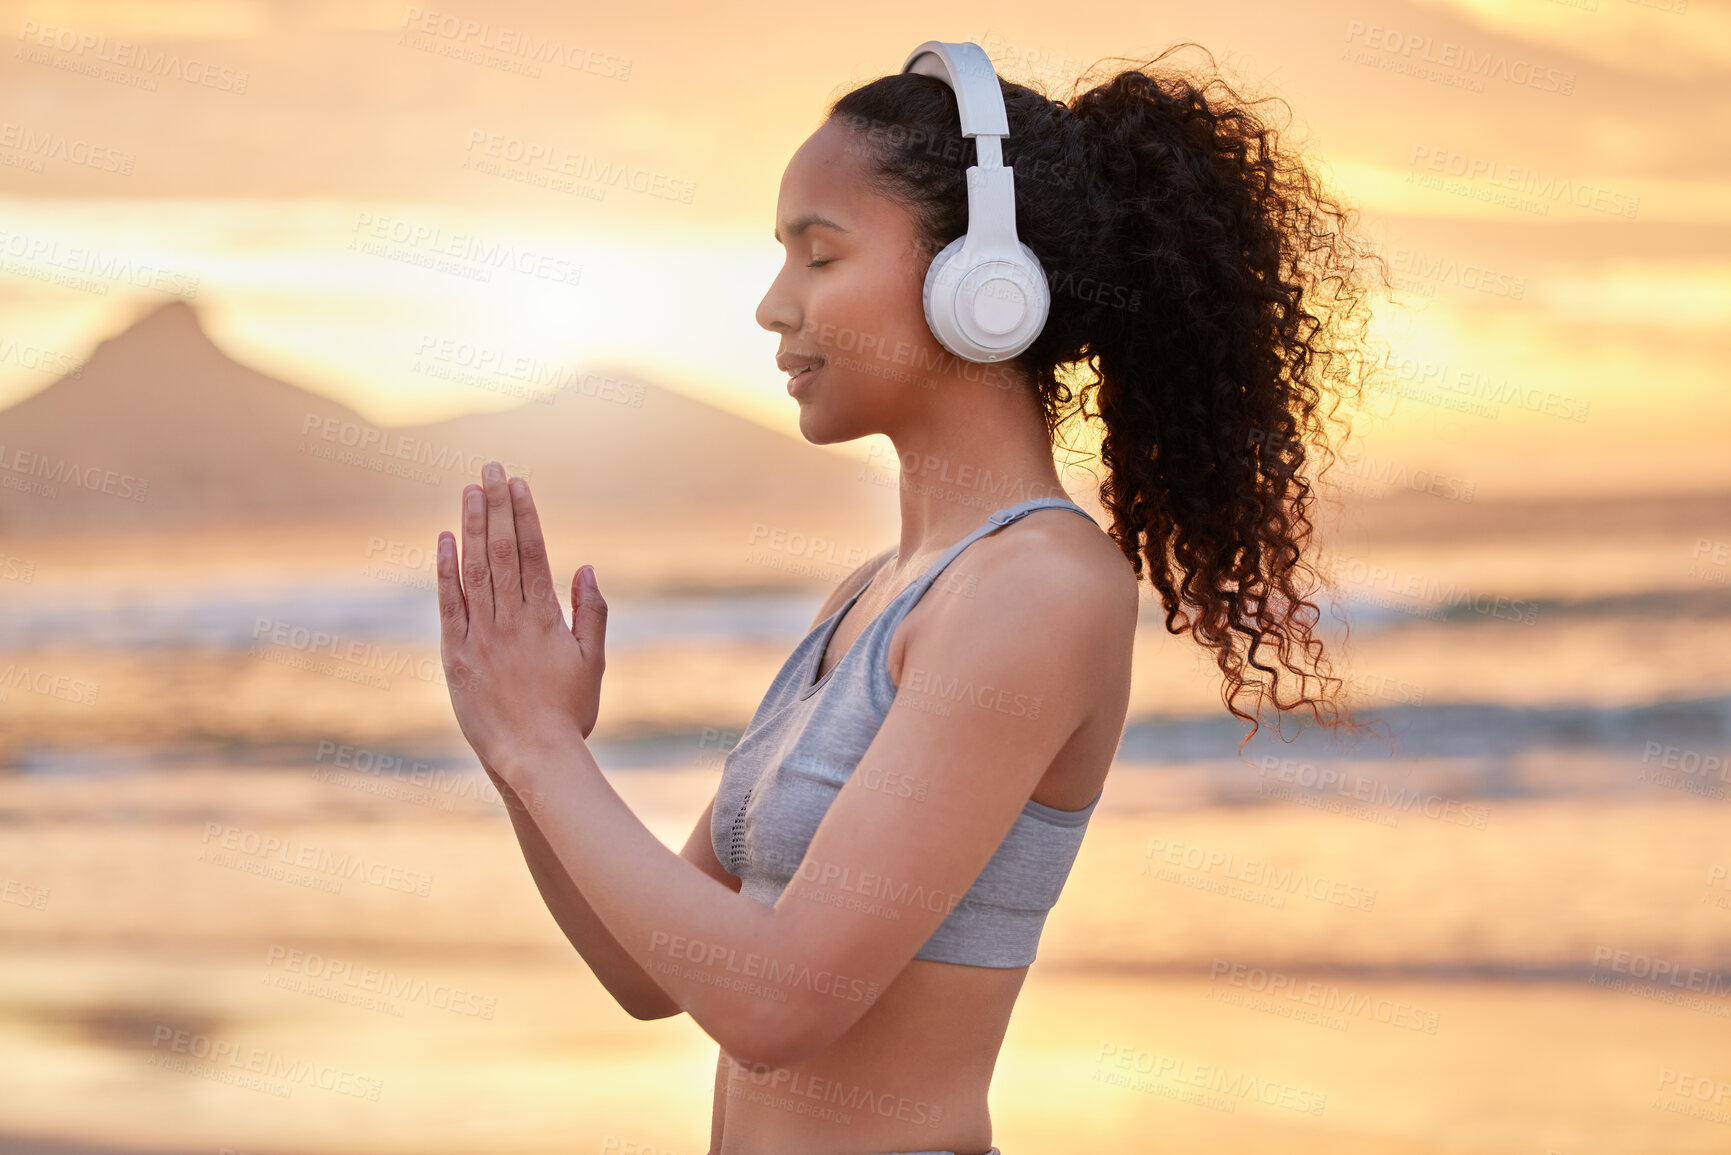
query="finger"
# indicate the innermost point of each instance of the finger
(502, 545)
(588, 613)
(477, 575)
(453, 611)
(537, 576)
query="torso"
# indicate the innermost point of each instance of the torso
(932, 1038)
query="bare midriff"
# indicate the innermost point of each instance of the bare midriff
(910, 1075)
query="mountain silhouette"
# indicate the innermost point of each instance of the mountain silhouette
(163, 430)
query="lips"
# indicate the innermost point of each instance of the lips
(799, 367)
(799, 380)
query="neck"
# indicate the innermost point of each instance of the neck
(971, 449)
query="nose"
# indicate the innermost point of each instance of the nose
(779, 311)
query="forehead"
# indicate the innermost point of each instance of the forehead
(828, 179)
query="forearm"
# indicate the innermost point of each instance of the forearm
(735, 965)
(629, 984)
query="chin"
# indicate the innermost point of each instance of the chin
(821, 427)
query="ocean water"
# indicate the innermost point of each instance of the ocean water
(1474, 739)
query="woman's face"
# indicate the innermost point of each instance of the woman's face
(848, 295)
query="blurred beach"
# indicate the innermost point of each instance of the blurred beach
(275, 281)
(1440, 939)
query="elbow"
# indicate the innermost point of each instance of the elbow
(780, 1036)
(646, 1011)
(646, 1007)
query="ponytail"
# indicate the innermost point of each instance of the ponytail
(1209, 316)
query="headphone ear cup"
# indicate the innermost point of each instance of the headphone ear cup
(940, 308)
(970, 341)
(1039, 295)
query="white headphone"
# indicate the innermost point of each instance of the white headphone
(985, 296)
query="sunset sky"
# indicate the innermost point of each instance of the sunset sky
(298, 166)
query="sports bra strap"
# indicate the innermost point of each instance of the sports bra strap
(998, 519)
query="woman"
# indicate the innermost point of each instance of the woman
(854, 913)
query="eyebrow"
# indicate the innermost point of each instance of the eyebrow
(799, 224)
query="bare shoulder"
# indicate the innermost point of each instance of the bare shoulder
(1052, 553)
(1049, 572)
(851, 585)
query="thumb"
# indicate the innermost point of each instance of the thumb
(588, 611)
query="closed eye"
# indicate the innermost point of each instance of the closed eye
(819, 264)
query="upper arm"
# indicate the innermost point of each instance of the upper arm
(981, 712)
(699, 850)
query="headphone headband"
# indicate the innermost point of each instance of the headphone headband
(967, 69)
(985, 295)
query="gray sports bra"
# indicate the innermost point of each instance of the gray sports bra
(806, 739)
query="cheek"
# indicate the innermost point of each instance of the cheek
(876, 315)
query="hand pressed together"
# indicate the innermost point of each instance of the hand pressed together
(520, 680)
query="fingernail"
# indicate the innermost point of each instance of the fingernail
(494, 472)
(519, 487)
(475, 503)
(588, 577)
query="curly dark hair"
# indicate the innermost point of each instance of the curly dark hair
(1209, 304)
